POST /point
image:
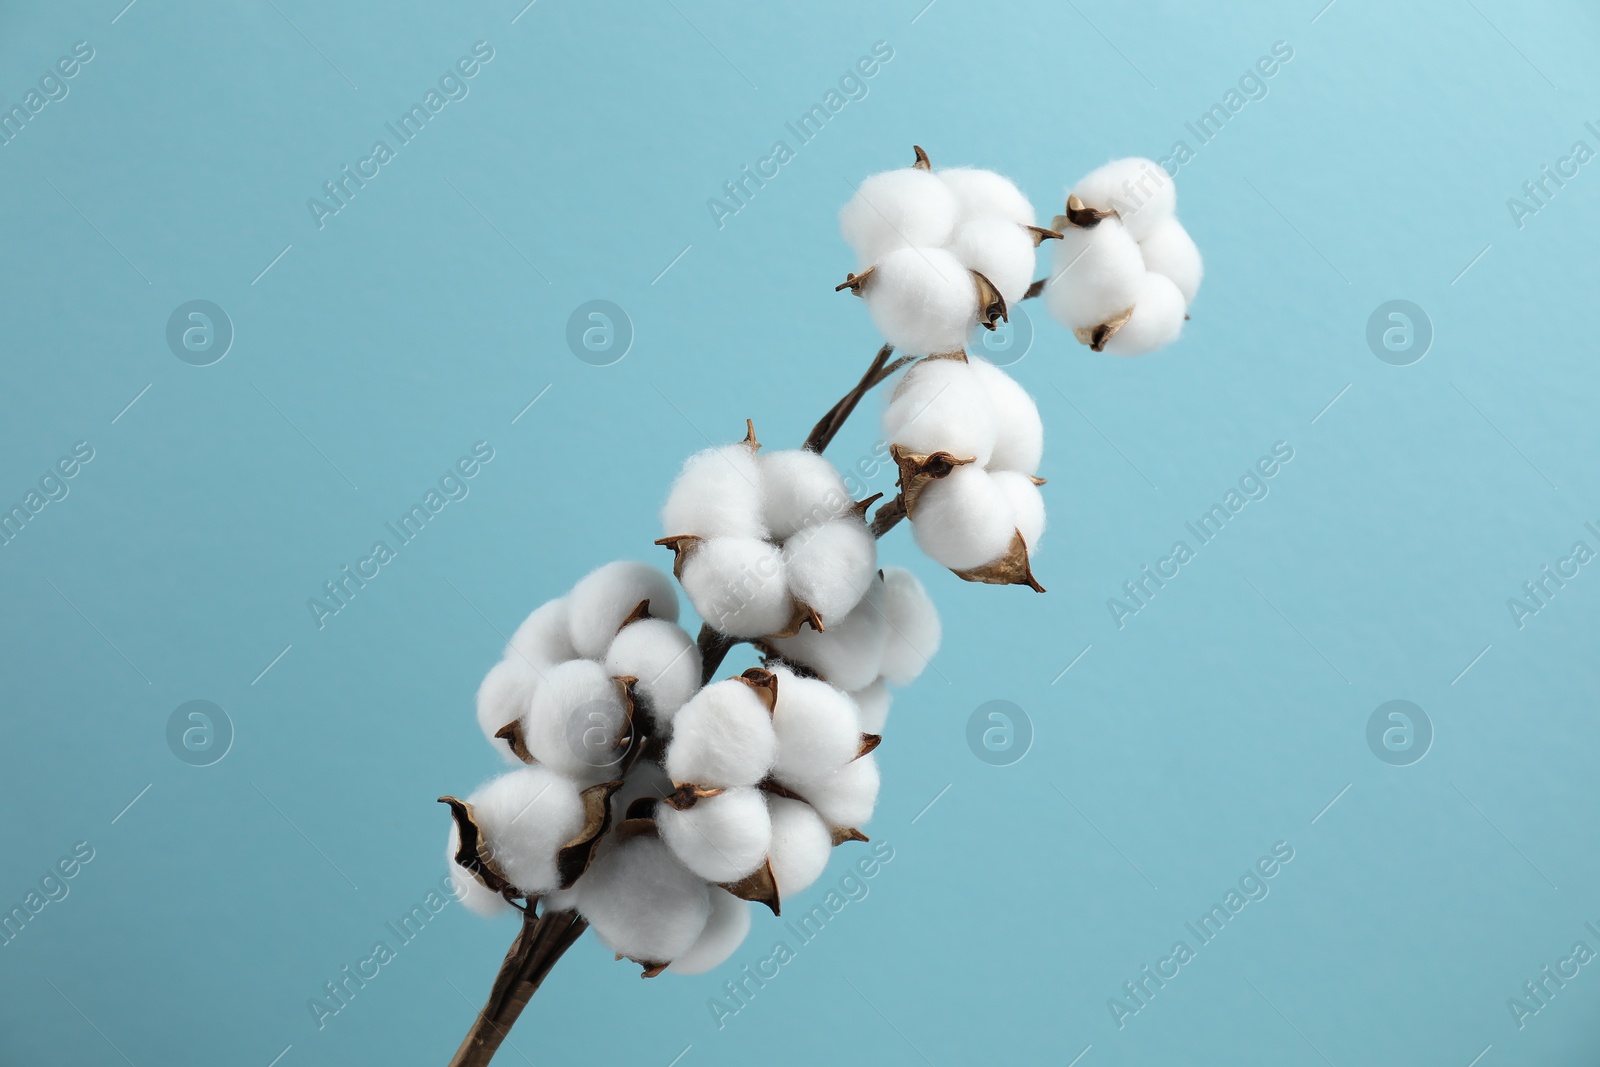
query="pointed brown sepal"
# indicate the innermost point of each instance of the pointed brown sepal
(923, 162)
(764, 683)
(472, 854)
(683, 546)
(1036, 480)
(778, 789)
(759, 886)
(854, 281)
(573, 858)
(641, 611)
(511, 734)
(1097, 336)
(750, 441)
(1081, 215)
(843, 834)
(991, 305)
(868, 743)
(1010, 569)
(860, 507)
(686, 796)
(628, 829)
(917, 470)
(1041, 235)
(651, 969)
(801, 616)
(959, 355)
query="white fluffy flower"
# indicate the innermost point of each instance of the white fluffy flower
(721, 838)
(1169, 250)
(738, 585)
(983, 194)
(479, 898)
(964, 520)
(941, 405)
(503, 698)
(801, 845)
(642, 902)
(605, 597)
(577, 722)
(1157, 319)
(913, 625)
(923, 300)
(1097, 274)
(849, 653)
(1019, 432)
(663, 658)
(818, 729)
(999, 250)
(718, 494)
(829, 566)
(873, 703)
(725, 931)
(801, 489)
(525, 817)
(1139, 190)
(722, 738)
(846, 797)
(895, 209)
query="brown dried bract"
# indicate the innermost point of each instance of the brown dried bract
(869, 742)
(843, 834)
(511, 734)
(922, 163)
(1010, 569)
(854, 281)
(687, 795)
(1097, 336)
(574, 857)
(991, 305)
(764, 683)
(917, 470)
(472, 854)
(759, 886)
(750, 436)
(683, 546)
(641, 611)
(1080, 215)
(1041, 235)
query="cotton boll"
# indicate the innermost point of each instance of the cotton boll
(739, 586)
(999, 250)
(558, 900)
(830, 566)
(801, 489)
(504, 697)
(544, 638)
(983, 194)
(873, 703)
(664, 659)
(479, 899)
(1139, 190)
(801, 845)
(942, 406)
(964, 520)
(575, 721)
(895, 209)
(722, 739)
(525, 817)
(721, 838)
(818, 728)
(601, 600)
(847, 796)
(1157, 319)
(1019, 432)
(1168, 249)
(642, 902)
(914, 629)
(725, 931)
(922, 300)
(849, 652)
(644, 779)
(1097, 275)
(718, 494)
(1027, 506)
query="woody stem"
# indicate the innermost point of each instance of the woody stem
(540, 943)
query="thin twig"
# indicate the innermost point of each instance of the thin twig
(888, 516)
(823, 433)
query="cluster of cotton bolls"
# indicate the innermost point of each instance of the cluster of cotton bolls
(1126, 270)
(968, 440)
(939, 252)
(766, 541)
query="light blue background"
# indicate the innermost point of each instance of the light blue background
(1221, 719)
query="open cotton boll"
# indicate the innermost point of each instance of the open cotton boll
(801, 489)
(818, 728)
(603, 598)
(575, 721)
(922, 300)
(914, 629)
(1168, 249)
(873, 704)
(1019, 432)
(897, 208)
(504, 697)
(983, 194)
(717, 494)
(664, 659)
(479, 899)
(721, 838)
(849, 652)
(1027, 506)
(1157, 319)
(941, 406)
(722, 738)
(558, 900)
(829, 567)
(801, 845)
(1096, 276)
(644, 779)
(846, 797)
(964, 520)
(642, 902)
(545, 637)
(999, 250)
(1139, 190)
(725, 931)
(525, 816)
(738, 585)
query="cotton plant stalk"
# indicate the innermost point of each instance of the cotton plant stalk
(658, 803)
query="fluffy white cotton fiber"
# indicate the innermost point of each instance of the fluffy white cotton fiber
(525, 816)
(606, 596)
(664, 659)
(829, 567)
(1019, 432)
(479, 899)
(1027, 506)
(941, 406)
(739, 586)
(1168, 249)
(1096, 276)
(576, 721)
(720, 838)
(544, 638)
(817, 726)
(964, 520)
(722, 738)
(849, 652)
(1157, 319)
(801, 845)
(504, 697)
(914, 629)
(725, 931)
(898, 208)
(873, 704)
(1139, 190)
(718, 494)
(983, 194)
(846, 797)
(999, 250)
(642, 902)
(802, 489)
(922, 300)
